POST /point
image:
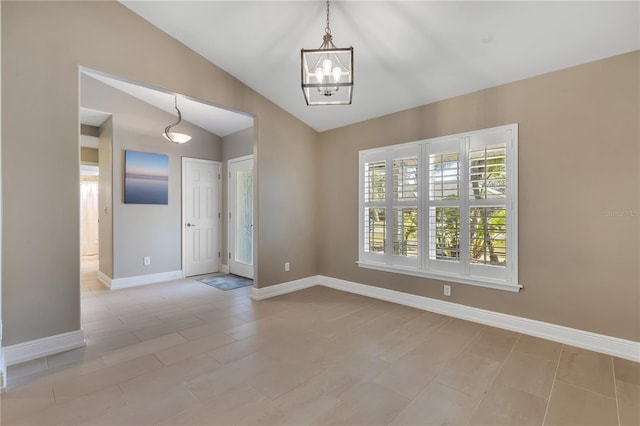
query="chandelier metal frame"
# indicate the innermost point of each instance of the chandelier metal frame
(326, 70)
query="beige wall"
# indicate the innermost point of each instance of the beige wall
(578, 159)
(43, 44)
(238, 144)
(88, 155)
(88, 130)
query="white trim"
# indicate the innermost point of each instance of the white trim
(609, 345)
(288, 287)
(3, 372)
(104, 279)
(450, 277)
(247, 271)
(238, 159)
(2, 366)
(584, 339)
(224, 268)
(33, 349)
(118, 283)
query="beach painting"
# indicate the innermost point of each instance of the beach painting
(146, 178)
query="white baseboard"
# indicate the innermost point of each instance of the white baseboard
(3, 372)
(104, 279)
(609, 345)
(118, 283)
(33, 349)
(288, 287)
(224, 268)
(3, 367)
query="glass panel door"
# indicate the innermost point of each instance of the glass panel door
(244, 216)
(241, 216)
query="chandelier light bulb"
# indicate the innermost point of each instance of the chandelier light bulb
(319, 75)
(326, 66)
(337, 72)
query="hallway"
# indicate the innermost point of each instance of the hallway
(89, 274)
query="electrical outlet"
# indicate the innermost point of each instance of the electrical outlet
(146, 261)
(447, 290)
(286, 267)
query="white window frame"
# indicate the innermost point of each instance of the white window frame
(496, 277)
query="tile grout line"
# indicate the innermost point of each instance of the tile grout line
(553, 385)
(615, 389)
(587, 390)
(438, 369)
(513, 347)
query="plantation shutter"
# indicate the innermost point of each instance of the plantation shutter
(444, 205)
(443, 208)
(404, 206)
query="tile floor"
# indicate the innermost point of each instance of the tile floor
(184, 353)
(89, 274)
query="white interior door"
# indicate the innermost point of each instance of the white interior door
(201, 216)
(240, 226)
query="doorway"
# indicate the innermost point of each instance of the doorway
(240, 226)
(201, 216)
(236, 134)
(89, 242)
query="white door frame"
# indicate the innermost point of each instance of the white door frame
(230, 232)
(182, 203)
(3, 369)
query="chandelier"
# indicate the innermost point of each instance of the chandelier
(176, 137)
(327, 72)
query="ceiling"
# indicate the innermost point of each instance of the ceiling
(219, 121)
(407, 53)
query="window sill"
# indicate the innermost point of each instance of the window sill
(456, 278)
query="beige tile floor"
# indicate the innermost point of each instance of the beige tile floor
(183, 353)
(89, 274)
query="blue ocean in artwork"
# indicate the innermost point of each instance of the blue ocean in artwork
(146, 178)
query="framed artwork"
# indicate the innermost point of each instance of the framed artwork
(146, 178)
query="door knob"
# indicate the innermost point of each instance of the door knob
(189, 224)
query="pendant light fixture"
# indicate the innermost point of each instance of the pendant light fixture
(176, 137)
(327, 72)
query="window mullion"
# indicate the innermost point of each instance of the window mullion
(362, 238)
(464, 204)
(512, 205)
(388, 211)
(423, 207)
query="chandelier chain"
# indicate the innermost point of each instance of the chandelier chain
(327, 29)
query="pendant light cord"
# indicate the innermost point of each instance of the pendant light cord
(168, 128)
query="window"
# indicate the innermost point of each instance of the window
(443, 208)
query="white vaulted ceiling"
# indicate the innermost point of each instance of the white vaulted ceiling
(407, 53)
(219, 121)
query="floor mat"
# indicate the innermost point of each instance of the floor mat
(226, 281)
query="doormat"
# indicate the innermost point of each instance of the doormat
(226, 281)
